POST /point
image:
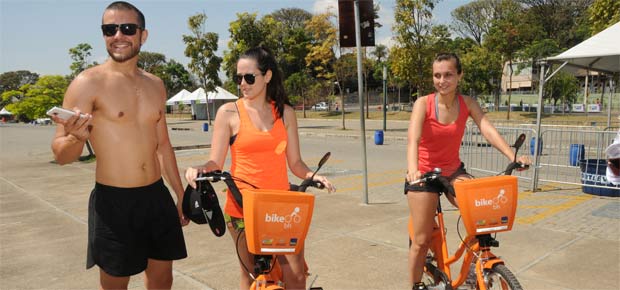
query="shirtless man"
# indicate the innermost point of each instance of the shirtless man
(132, 222)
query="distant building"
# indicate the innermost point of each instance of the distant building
(523, 81)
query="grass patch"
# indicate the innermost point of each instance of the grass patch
(527, 117)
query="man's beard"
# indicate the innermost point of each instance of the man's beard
(123, 58)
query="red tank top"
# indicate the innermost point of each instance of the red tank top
(258, 157)
(440, 144)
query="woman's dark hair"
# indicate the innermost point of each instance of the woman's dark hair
(122, 5)
(275, 88)
(450, 56)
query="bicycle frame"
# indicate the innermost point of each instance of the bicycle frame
(487, 205)
(466, 249)
(263, 208)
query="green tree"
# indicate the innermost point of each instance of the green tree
(558, 20)
(320, 55)
(9, 97)
(380, 53)
(13, 81)
(297, 85)
(412, 58)
(47, 92)
(473, 20)
(602, 14)
(79, 55)
(480, 67)
(151, 61)
(176, 77)
(245, 33)
(507, 36)
(173, 74)
(293, 39)
(345, 73)
(562, 87)
(201, 48)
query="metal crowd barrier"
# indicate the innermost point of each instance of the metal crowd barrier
(567, 155)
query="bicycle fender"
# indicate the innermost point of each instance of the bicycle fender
(492, 262)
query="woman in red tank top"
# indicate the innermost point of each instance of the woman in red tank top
(261, 131)
(436, 130)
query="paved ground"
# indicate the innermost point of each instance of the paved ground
(563, 239)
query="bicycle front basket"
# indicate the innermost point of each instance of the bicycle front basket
(276, 221)
(487, 204)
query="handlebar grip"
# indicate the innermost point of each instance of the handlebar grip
(318, 185)
(522, 166)
(305, 184)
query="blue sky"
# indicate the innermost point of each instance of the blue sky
(36, 35)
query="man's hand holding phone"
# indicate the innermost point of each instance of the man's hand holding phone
(74, 122)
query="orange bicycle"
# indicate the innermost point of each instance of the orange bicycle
(487, 205)
(276, 223)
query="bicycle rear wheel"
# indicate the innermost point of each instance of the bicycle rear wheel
(499, 277)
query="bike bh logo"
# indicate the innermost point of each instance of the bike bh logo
(494, 202)
(286, 220)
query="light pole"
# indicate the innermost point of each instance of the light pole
(384, 97)
(341, 103)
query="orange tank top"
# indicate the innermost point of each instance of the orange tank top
(257, 157)
(440, 144)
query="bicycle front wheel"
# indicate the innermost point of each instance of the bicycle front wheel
(500, 278)
(434, 277)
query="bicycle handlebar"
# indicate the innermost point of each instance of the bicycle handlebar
(229, 180)
(435, 176)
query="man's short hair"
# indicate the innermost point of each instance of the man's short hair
(122, 5)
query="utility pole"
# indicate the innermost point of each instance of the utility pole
(384, 98)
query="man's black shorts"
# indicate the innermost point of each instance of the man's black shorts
(127, 226)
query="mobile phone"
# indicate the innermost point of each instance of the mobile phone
(62, 113)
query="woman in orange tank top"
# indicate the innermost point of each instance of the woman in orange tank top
(261, 131)
(436, 130)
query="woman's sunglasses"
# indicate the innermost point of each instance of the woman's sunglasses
(614, 165)
(126, 29)
(249, 78)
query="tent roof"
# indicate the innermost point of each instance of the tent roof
(601, 52)
(221, 94)
(199, 96)
(4, 111)
(178, 97)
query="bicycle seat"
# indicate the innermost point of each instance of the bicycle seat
(201, 206)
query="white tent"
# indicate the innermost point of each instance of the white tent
(221, 94)
(197, 96)
(601, 52)
(178, 97)
(198, 99)
(4, 111)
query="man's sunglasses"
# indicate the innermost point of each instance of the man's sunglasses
(249, 78)
(126, 29)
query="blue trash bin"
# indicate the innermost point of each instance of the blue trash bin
(379, 137)
(593, 172)
(576, 154)
(533, 144)
(205, 127)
